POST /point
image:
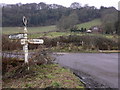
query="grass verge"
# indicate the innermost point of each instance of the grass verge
(50, 75)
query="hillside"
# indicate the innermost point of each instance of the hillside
(89, 24)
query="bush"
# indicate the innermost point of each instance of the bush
(42, 56)
(8, 44)
(14, 67)
(86, 41)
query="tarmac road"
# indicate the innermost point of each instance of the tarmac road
(102, 67)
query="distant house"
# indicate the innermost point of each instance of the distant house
(96, 29)
(89, 31)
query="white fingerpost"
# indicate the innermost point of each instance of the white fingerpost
(25, 41)
(25, 47)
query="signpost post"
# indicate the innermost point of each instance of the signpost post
(25, 41)
(25, 47)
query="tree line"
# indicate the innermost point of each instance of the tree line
(45, 14)
(64, 18)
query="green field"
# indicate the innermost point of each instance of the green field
(36, 32)
(89, 24)
(57, 34)
(11, 30)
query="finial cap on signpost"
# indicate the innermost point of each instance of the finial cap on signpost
(24, 20)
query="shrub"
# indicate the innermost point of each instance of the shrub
(87, 42)
(8, 44)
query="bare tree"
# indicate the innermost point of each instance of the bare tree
(75, 5)
(67, 22)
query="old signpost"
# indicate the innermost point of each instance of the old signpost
(25, 41)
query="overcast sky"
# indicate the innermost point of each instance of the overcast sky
(67, 3)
